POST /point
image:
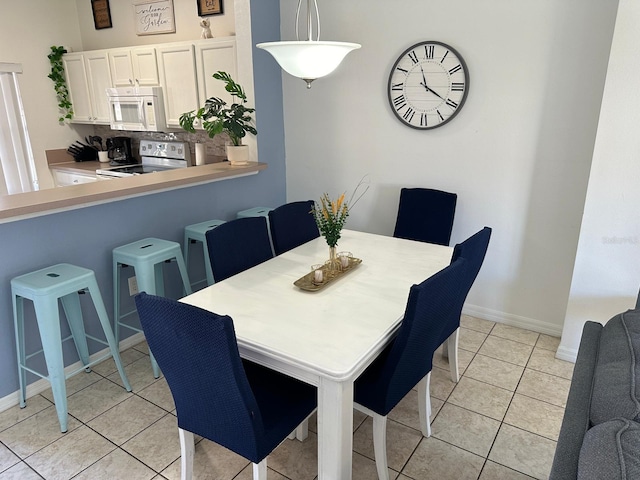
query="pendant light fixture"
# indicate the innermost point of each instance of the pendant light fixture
(308, 59)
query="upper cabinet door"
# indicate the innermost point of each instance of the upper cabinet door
(177, 71)
(99, 79)
(145, 66)
(121, 67)
(213, 56)
(78, 87)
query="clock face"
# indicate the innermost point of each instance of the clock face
(428, 85)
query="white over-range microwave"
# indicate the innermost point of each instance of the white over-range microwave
(137, 109)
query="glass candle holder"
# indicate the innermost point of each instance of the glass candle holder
(345, 259)
(318, 275)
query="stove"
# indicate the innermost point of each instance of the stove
(155, 156)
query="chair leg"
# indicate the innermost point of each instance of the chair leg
(187, 451)
(73, 312)
(424, 405)
(380, 445)
(452, 347)
(260, 470)
(18, 320)
(302, 431)
(153, 284)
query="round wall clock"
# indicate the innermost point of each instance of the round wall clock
(428, 85)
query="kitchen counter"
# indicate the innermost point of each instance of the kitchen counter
(43, 202)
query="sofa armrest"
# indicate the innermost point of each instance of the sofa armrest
(575, 422)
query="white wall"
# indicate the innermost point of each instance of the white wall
(123, 34)
(607, 268)
(518, 154)
(26, 37)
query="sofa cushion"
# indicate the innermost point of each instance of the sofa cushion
(616, 382)
(610, 451)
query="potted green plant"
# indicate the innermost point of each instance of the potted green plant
(218, 117)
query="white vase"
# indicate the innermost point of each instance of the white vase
(238, 155)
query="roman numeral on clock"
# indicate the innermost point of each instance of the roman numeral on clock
(428, 52)
(455, 69)
(457, 87)
(408, 115)
(413, 57)
(399, 102)
(440, 115)
(451, 103)
(397, 86)
(423, 119)
(403, 70)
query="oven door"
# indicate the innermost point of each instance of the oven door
(127, 113)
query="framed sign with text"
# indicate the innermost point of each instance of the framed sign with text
(101, 14)
(154, 17)
(210, 7)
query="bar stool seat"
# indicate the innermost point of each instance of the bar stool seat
(146, 256)
(255, 212)
(44, 287)
(196, 233)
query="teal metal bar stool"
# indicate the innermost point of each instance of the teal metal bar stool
(44, 287)
(255, 212)
(146, 256)
(196, 234)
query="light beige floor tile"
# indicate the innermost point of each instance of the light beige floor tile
(159, 394)
(545, 361)
(507, 350)
(524, 452)
(139, 373)
(464, 359)
(126, 419)
(514, 333)
(468, 430)
(158, 446)
(212, 462)
(495, 372)
(20, 471)
(481, 398)
(117, 464)
(470, 340)
(364, 468)
(15, 414)
(401, 441)
(96, 399)
(7, 458)
(477, 324)
(493, 471)
(36, 432)
(441, 385)
(535, 416)
(247, 474)
(545, 387)
(296, 460)
(406, 412)
(548, 342)
(127, 357)
(75, 384)
(437, 460)
(70, 455)
(142, 347)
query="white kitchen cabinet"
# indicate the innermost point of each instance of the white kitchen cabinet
(88, 77)
(64, 179)
(177, 71)
(133, 66)
(213, 56)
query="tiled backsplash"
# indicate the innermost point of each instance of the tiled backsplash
(215, 146)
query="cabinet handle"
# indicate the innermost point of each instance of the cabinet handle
(130, 82)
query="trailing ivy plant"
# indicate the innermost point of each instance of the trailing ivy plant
(60, 83)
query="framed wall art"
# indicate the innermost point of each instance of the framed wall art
(101, 14)
(210, 7)
(154, 17)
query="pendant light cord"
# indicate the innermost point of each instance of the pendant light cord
(309, 23)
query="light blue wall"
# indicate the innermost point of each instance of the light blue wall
(86, 236)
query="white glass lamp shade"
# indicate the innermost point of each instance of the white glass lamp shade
(309, 59)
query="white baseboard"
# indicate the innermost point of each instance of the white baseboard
(41, 385)
(513, 320)
(568, 354)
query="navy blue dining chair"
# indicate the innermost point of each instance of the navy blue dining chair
(473, 250)
(425, 215)
(292, 224)
(408, 360)
(238, 245)
(240, 405)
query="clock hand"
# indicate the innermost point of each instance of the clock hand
(424, 84)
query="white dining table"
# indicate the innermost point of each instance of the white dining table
(326, 338)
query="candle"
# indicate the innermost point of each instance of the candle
(318, 276)
(344, 259)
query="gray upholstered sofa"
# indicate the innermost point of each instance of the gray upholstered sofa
(600, 434)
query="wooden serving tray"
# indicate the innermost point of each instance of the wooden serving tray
(307, 282)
